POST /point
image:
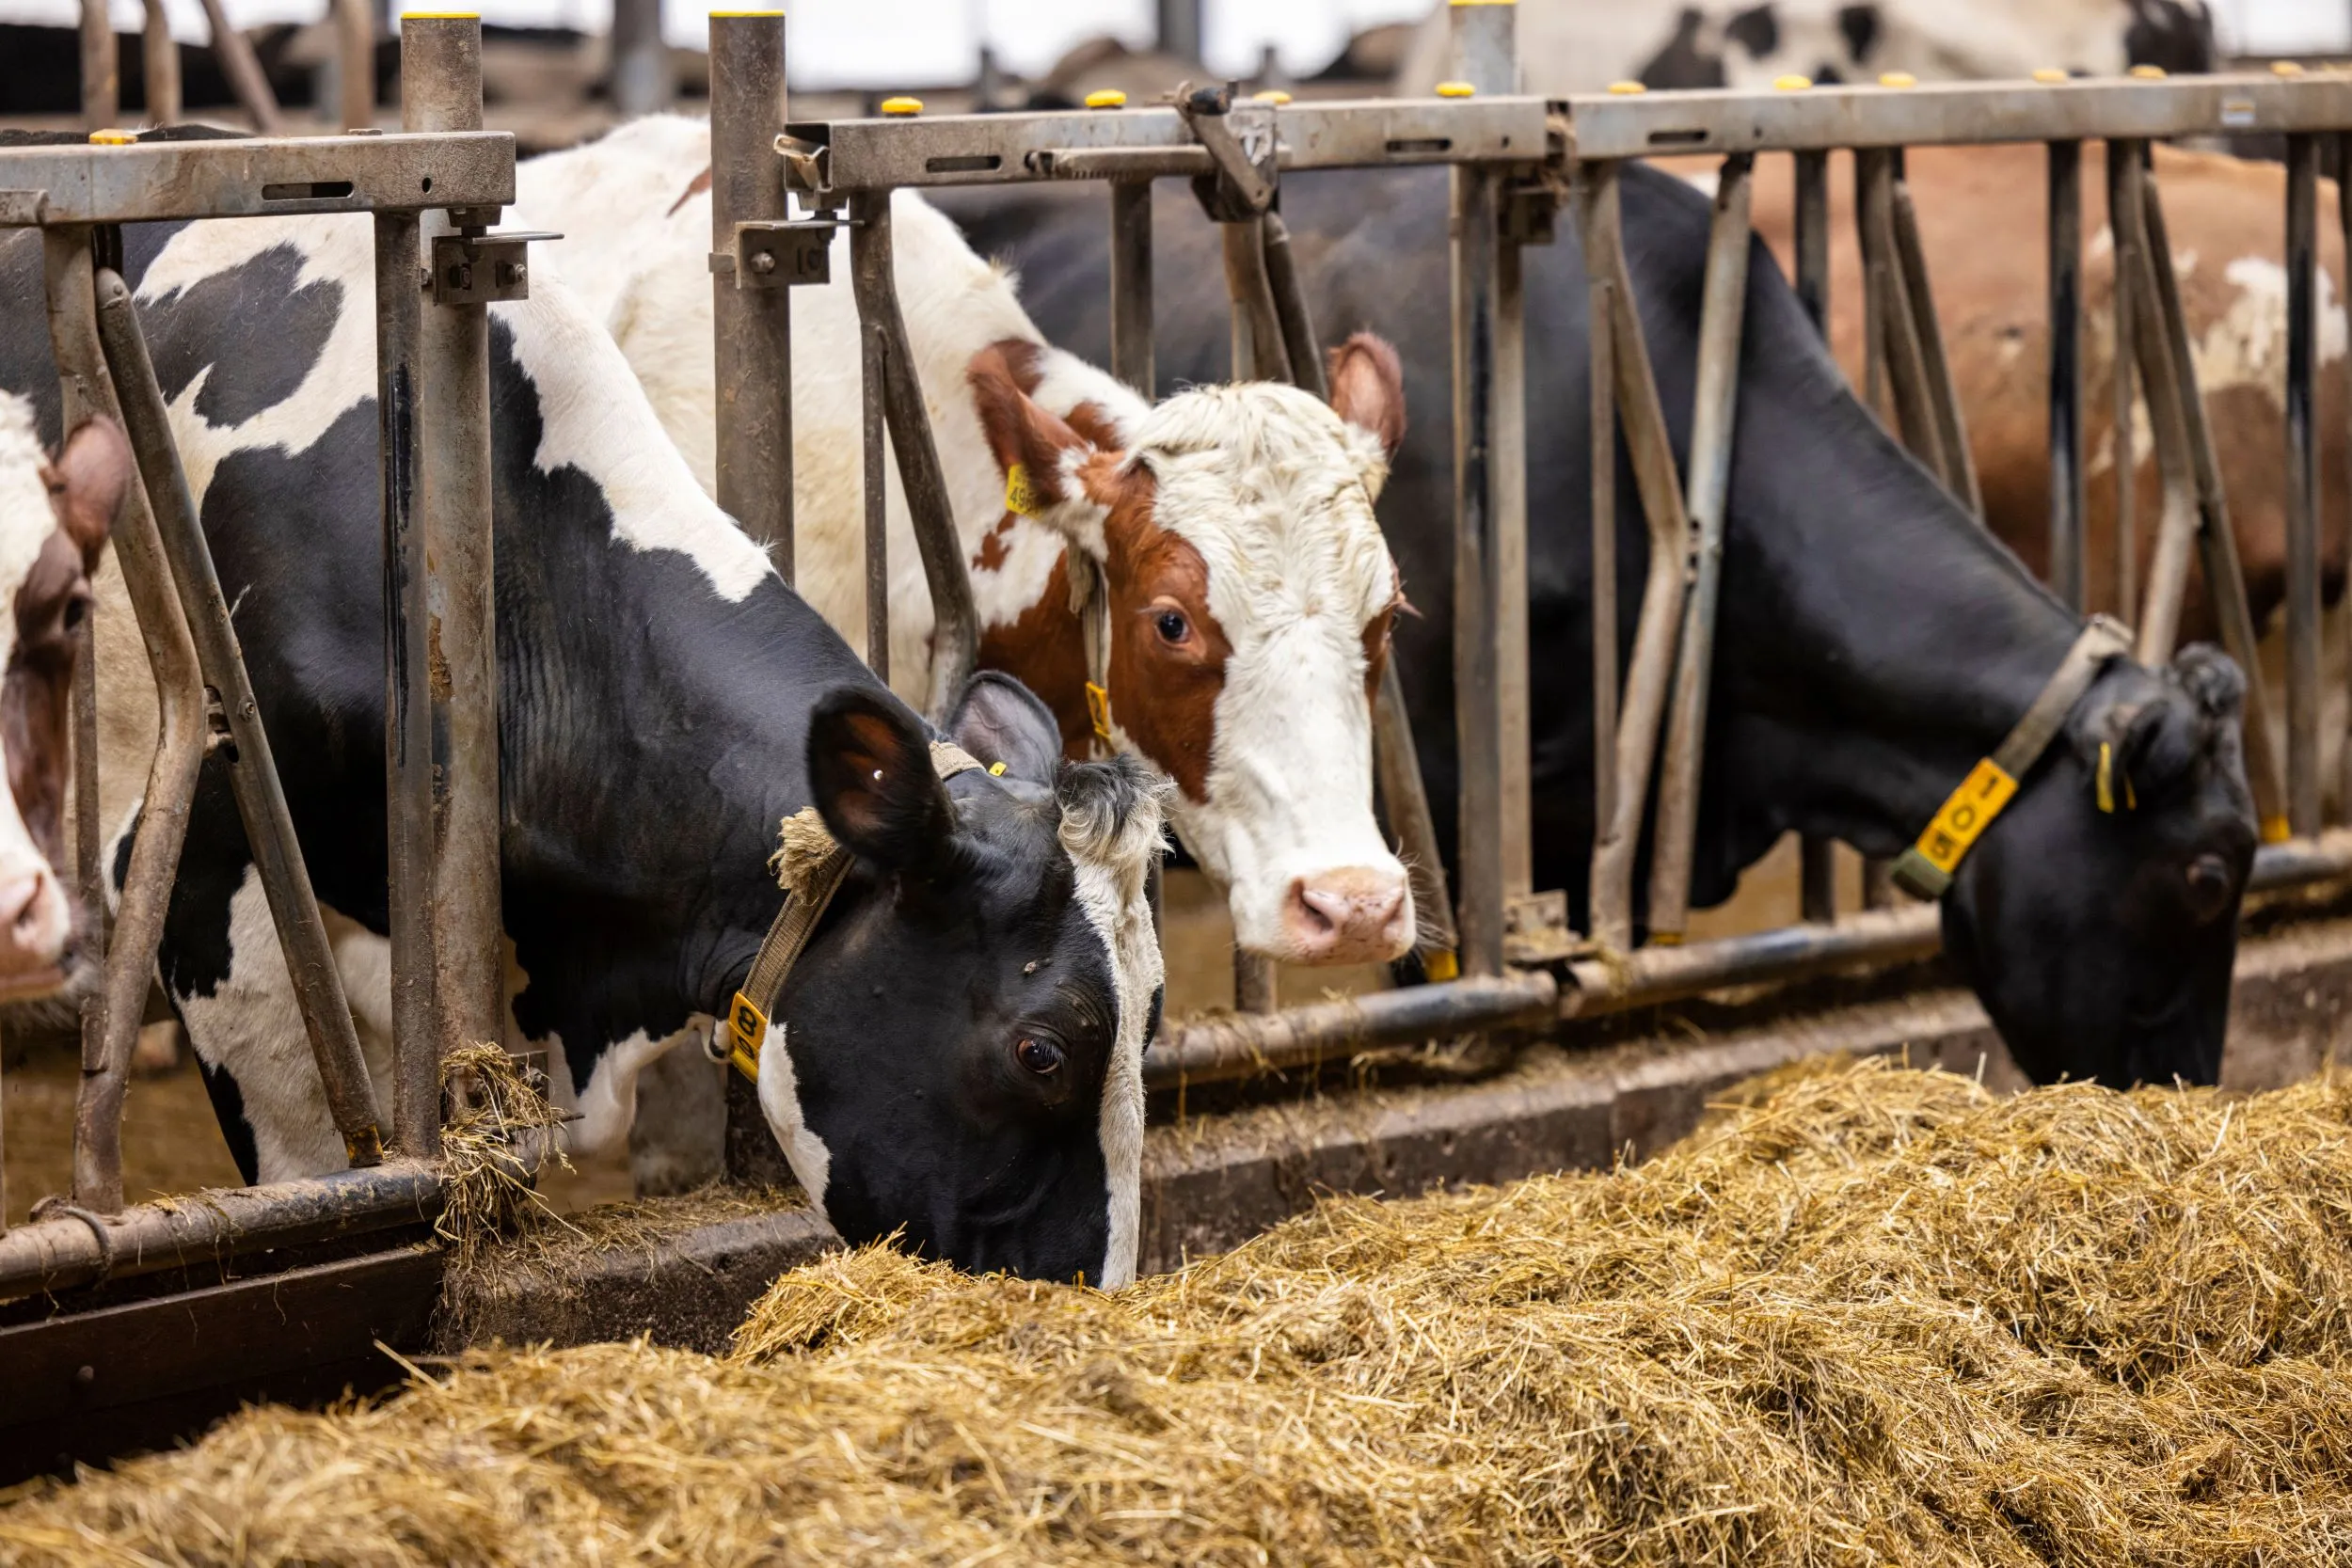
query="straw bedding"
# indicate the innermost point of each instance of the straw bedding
(1876, 1316)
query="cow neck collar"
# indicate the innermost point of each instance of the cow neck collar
(809, 882)
(1926, 869)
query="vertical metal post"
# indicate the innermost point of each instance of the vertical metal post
(955, 636)
(1259, 353)
(873, 429)
(2343, 610)
(234, 52)
(1178, 29)
(101, 86)
(2303, 518)
(2123, 172)
(355, 69)
(641, 83)
(1131, 286)
(441, 80)
(2064, 234)
(407, 705)
(1714, 419)
(252, 770)
(1597, 219)
(1302, 351)
(1817, 860)
(1942, 396)
(110, 1017)
(752, 327)
(159, 66)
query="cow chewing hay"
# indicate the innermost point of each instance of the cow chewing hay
(1870, 1315)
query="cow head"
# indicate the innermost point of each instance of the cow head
(54, 519)
(1249, 599)
(2099, 924)
(965, 1037)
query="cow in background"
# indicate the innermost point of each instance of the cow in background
(1568, 46)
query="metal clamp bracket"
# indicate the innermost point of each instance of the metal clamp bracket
(780, 254)
(483, 269)
(1241, 140)
(1535, 930)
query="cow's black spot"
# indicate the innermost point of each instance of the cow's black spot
(1826, 74)
(1681, 63)
(1756, 30)
(1859, 25)
(220, 1087)
(278, 330)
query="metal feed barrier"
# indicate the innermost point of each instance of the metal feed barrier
(1515, 161)
(441, 180)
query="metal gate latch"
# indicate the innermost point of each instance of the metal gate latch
(1535, 929)
(483, 269)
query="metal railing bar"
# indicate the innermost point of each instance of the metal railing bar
(752, 326)
(2303, 503)
(2063, 236)
(1935, 371)
(1816, 863)
(1477, 574)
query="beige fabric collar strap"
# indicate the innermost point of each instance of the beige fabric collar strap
(1924, 870)
(1090, 597)
(746, 1028)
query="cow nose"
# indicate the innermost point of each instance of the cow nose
(1353, 915)
(30, 936)
(20, 906)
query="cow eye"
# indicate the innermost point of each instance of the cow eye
(2208, 887)
(1040, 1057)
(1172, 626)
(76, 610)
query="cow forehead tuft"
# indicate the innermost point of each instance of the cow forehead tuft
(1112, 817)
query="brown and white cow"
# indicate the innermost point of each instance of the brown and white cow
(1980, 218)
(54, 520)
(1249, 590)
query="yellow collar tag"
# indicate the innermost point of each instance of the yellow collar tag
(1980, 797)
(747, 1026)
(1021, 497)
(1099, 709)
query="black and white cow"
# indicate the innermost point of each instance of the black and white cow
(1874, 641)
(1578, 46)
(965, 1034)
(53, 518)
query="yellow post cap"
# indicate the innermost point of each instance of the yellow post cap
(1455, 89)
(440, 16)
(1791, 83)
(2148, 72)
(1106, 98)
(909, 106)
(2286, 67)
(1627, 89)
(746, 13)
(1898, 79)
(1274, 96)
(2049, 73)
(113, 138)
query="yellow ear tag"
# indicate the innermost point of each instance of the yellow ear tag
(1099, 709)
(1021, 497)
(995, 769)
(1440, 964)
(747, 1026)
(2107, 778)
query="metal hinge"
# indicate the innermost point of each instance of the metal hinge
(779, 253)
(484, 269)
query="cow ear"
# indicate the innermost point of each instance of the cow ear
(1036, 453)
(2139, 750)
(1368, 392)
(869, 766)
(93, 474)
(1002, 722)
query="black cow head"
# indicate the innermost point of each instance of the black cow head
(966, 1032)
(2099, 926)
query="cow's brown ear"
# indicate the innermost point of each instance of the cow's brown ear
(1368, 389)
(93, 474)
(1035, 449)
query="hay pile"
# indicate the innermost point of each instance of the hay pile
(1878, 1316)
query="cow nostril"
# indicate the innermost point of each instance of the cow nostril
(19, 900)
(1324, 911)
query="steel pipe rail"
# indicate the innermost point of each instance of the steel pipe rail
(1955, 113)
(159, 62)
(1140, 143)
(164, 182)
(231, 1221)
(2303, 506)
(1220, 1050)
(252, 769)
(1478, 586)
(2068, 503)
(751, 318)
(110, 1017)
(1816, 872)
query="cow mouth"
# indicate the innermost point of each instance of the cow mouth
(32, 985)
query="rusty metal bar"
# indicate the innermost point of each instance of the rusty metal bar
(1508, 474)
(752, 327)
(407, 706)
(641, 82)
(355, 64)
(1258, 353)
(2225, 581)
(1714, 418)
(2303, 505)
(1217, 1050)
(2168, 573)
(1817, 860)
(253, 770)
(1635, 393)
(2069, 506)
(1404, 799)
(2343, 610)
(1597, 221)
(2124, 172)
(873, 425)
(1935, 370)
(1292, 320)
(1257, 983)
(1897, 319)
(955, 638)
(1477, 575)
(440, 89)
(157, 180)
(159, 62)
(111, 1017)
(234, 52)
(1131, 287)
(101, 86)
